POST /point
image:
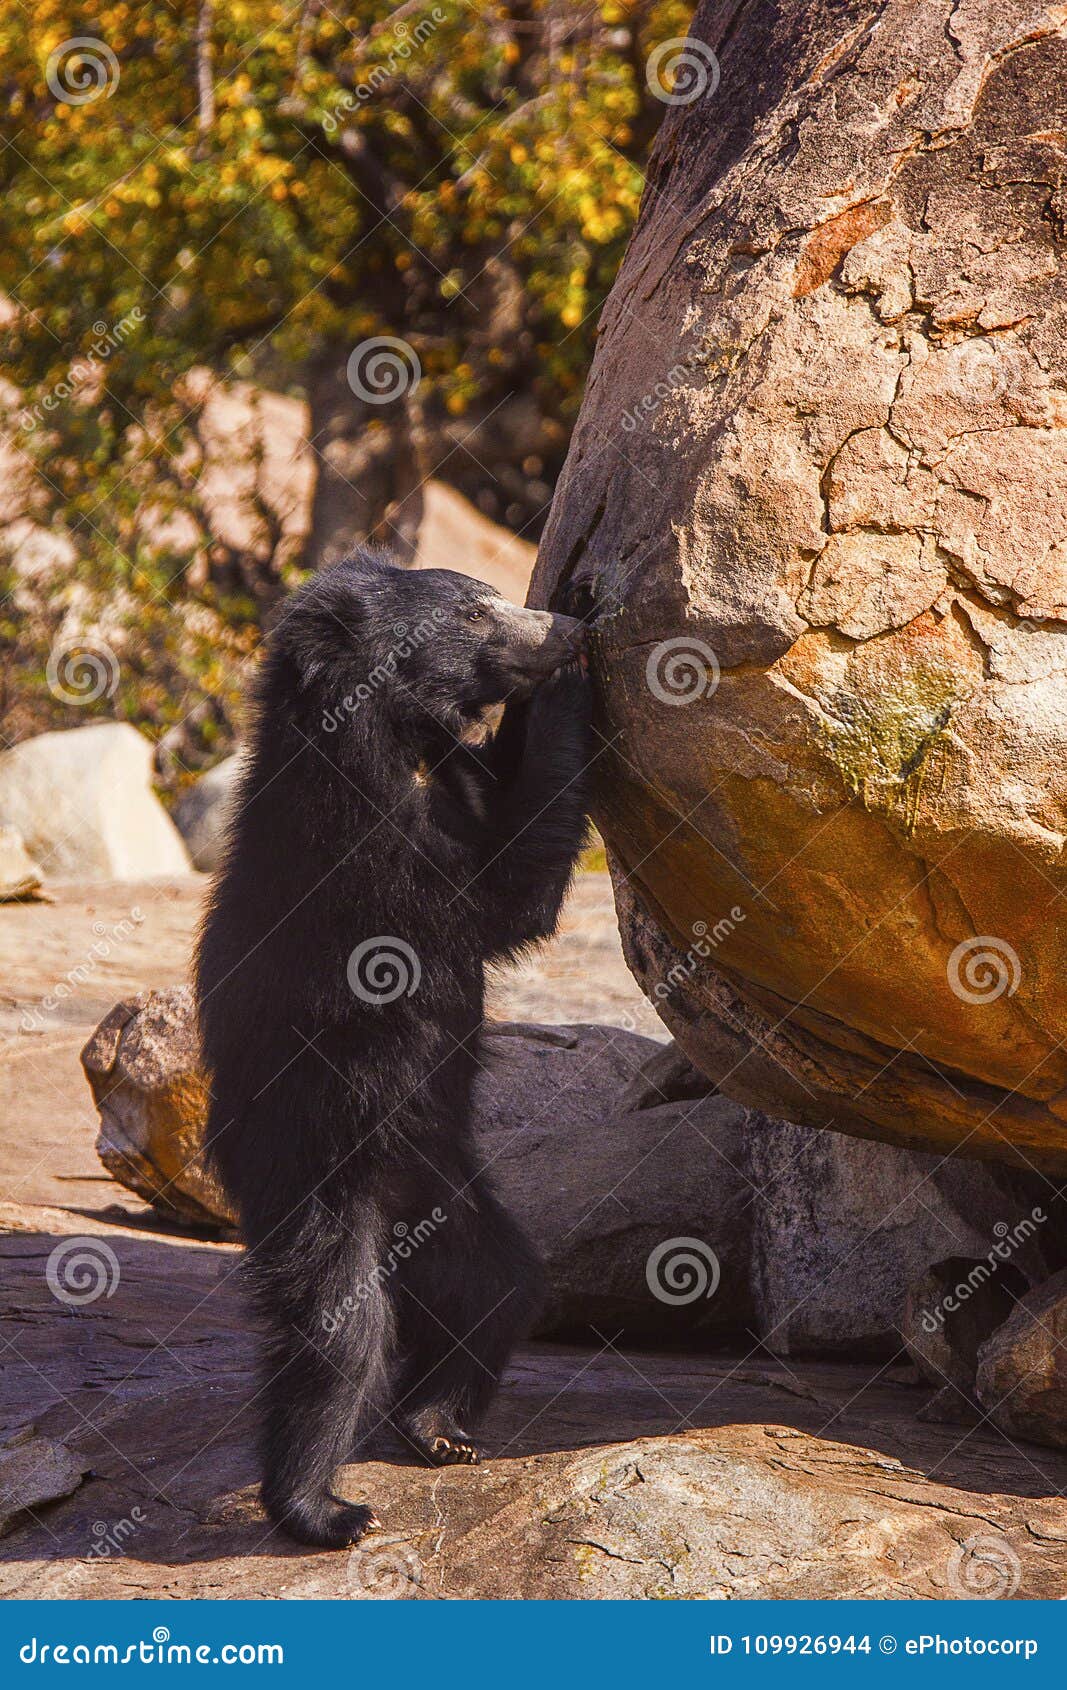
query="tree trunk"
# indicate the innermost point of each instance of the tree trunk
(822, 456)
(368, 483)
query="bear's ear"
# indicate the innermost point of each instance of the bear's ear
(309, 642)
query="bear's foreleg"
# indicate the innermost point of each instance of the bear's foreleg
(538, 804)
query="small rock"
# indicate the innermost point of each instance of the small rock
(143, 1066)
(1022, 1368)
(20, 877)
(83, 803)
(202, 813)
(34, 1471)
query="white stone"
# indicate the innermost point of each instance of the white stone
(83, 803)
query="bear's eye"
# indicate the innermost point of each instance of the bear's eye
(475, 615)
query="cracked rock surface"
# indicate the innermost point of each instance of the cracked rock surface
(823, 453)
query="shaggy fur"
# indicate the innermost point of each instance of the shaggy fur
(378, 860)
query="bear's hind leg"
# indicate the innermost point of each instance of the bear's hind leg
(328, 1361)
(463, 1301)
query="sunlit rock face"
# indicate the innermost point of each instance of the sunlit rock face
(818, 495)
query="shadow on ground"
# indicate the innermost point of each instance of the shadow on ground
(614, 1472)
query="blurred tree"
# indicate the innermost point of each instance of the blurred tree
(263, 188)
(198, 190)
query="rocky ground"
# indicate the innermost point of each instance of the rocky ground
(616, 1471)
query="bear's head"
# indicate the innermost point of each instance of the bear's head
(426, 640)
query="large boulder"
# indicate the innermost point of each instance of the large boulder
(644, 1215)
(83, 803)
(817, 500)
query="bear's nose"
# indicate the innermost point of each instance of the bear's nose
(572, 630)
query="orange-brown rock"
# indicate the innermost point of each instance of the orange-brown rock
(818, 492)
(143, 1066)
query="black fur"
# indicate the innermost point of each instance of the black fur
(337, 1120)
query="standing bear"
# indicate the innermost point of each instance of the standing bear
(382, 851)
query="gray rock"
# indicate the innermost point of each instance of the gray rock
(202, 813)
(644, 1215)
(845, 1226)
(668, 1217)
(34, 1471)
(1022, 1368)
(83, 802)
(666, 1076)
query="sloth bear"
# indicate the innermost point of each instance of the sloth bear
(383, 849)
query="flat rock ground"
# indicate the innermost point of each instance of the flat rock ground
(614, 1472)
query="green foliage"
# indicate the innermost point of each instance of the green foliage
(252, 180)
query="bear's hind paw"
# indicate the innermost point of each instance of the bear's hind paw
(325, 1522)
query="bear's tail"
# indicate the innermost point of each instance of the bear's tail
(329, 1360)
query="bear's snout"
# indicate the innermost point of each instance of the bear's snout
(539, 641)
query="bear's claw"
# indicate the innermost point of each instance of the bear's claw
(450, 1452)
